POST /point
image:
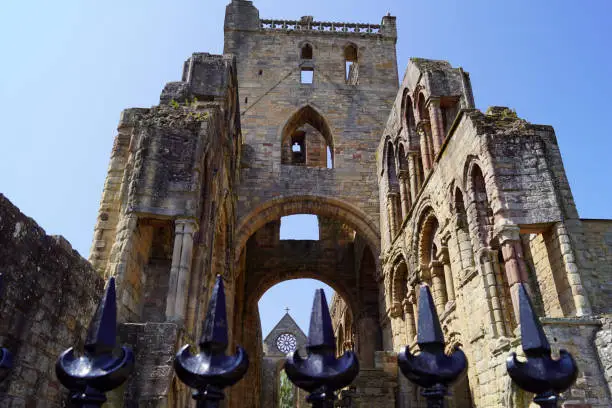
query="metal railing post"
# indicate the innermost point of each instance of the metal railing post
(431, 369)
(98, 371)
(211, 370)
(320, 373)
(539, 373)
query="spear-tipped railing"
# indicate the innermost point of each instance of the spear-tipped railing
(211, 370)
(320, 373)
(98, 371)
(431, 369)
(539, 374)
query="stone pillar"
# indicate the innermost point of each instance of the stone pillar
(366, 340)
(414, 174)
(516, 270)
(486, 256)
(404, 181)
(409, 321)
(437, 124)
(425, 149)
(182, 255)
(439, 290)
(448, 274)
(392, 211)
(412, 299)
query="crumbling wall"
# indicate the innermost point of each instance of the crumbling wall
(49, 296)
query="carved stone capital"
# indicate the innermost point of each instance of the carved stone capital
(506, 232)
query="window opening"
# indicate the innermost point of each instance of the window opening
(300, 227)
(330, 161)
(307, 52)
(307, 75)
(351, 71)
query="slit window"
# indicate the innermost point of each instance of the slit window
(307, 75)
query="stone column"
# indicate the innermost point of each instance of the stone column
(448, 274)
(437, 124)
(182, 255)
(486, 256)
(392, 211)
(412, 300)
(413, 171)
(366, 340)
(439, 290)
(409, 321)
(516, 270)
(425, 149)
(404, 181)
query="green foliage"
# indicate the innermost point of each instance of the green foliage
(174, 104)
(286, 395)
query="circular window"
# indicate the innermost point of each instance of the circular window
(286, 343)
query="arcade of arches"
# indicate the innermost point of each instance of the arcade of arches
(411, 185)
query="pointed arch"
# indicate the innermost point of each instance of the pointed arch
(293, 134)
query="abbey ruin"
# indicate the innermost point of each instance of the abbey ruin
(411, 184)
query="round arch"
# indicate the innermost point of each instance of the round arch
(318, 205)
(283, 275)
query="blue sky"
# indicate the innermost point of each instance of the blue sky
(70, 67)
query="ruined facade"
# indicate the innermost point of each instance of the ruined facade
(410, 184)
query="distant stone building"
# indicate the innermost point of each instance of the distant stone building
(286, 337)
(410, 184)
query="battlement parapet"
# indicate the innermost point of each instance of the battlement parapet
(321, 27)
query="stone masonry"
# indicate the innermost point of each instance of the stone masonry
(410, 183)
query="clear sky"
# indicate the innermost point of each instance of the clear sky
(69, 67)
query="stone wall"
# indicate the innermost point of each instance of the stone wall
(598, 251)
(48, 298)
(603, 343)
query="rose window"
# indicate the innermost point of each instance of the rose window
(286, 343)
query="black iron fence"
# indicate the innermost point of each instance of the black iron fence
(102, 368)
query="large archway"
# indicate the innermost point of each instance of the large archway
(307, 204)
(345, 258)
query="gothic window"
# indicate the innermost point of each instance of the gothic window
(393, 197)
(351, 67)
(484, 213)
(307, 140)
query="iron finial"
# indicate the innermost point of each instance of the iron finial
(431, 369)
(90, 376)
(211, 370)
(539, 374)
(321, 374)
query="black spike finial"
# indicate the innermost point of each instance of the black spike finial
(211, 370)
(6, 357)
(431, 369)
(321, 374)
(98, 371)
(539, 374)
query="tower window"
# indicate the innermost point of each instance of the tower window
(307, 75)
(307, 51)
(351, 68)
